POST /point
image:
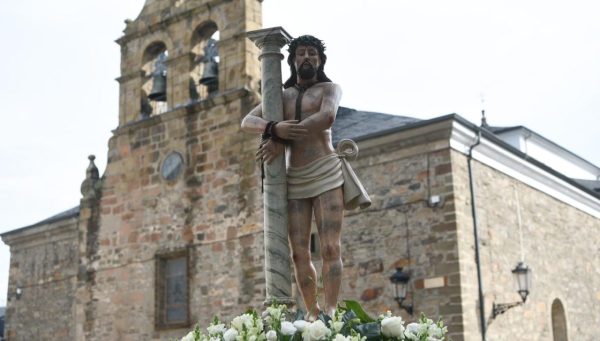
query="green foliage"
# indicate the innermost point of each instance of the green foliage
(371, 330)
(359, 311)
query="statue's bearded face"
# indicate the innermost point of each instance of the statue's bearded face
(307, 62)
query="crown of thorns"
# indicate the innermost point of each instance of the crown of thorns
(306, 40)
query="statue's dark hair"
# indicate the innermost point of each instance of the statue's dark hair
(306, 40)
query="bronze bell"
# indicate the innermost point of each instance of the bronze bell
(159, 88)
(159, 80)
(211, 73)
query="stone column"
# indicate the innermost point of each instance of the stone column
(277, 252)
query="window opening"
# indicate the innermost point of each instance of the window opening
(172, 291)
(559, 322)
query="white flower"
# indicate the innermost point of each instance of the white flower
(271, 335)
(274, 312)
(214, 339)
(337, 326)
(230, 334)
(240, 321)
(287, 328)
(340, 337)
(430, 338)
(301, 325)
(413, 331)
(189, 337)
(216, 329)
(434, 331)
(392, 326)
(252, 333)
(316, 331)
(252, 338)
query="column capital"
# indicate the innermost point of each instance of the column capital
(267, 37)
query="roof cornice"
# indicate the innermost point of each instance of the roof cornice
(499, 155)
(65, 228)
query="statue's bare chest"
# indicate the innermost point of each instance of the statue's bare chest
(310, 102)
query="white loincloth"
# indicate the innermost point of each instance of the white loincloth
(326, 173)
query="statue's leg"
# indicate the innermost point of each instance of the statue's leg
(299, 220)
(329, 213)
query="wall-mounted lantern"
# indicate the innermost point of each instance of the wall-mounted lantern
(18, 292)
(522, 275)
(400, 281)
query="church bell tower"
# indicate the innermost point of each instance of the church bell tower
(180, 192)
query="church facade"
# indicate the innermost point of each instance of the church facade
(171, 233)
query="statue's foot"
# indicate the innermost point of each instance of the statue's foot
(330, 312)
(312, 316)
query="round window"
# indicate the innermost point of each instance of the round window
(172, 166)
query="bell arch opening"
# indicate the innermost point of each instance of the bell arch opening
(154, 80)
(204, 73)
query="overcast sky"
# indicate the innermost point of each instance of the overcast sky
(534, 62)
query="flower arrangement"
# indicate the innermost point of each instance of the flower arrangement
(349, 323)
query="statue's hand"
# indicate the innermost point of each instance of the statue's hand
(268, 151)
(290, 130)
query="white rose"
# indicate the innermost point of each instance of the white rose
(392, 326)
(216, 329)
(188, 337)
(412, 331)
(287, 328)
(434, 331)
(301, 325)
(316, 331)
(230, 334)
(240, 321)
(271, 335)
(340, 337)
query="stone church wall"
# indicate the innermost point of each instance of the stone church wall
(212, 210)
(43, 265)
(559, 245)
(402, 229)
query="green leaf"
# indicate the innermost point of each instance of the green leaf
(324, 318)
(358, 310)
(371, 330)
(348, 316)
(350, 319)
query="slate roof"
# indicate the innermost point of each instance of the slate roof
(356, 125)
(592, 185)
(70, 213)
(498, 130)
